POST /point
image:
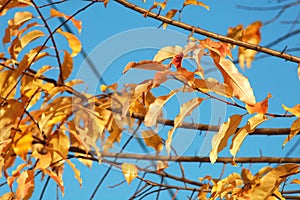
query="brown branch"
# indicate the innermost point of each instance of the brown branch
(208, 33)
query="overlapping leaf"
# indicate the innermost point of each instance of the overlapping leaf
(130, 172)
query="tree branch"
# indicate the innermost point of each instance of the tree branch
(208, 33)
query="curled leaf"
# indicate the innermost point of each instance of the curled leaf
(146, 64)
(195, 2)
(152, 140)
(76, 23)
(130, 172)
(294, 130)
(259, 107)
(167, 52)
(294, 110)
(66, 67)
(74, 42)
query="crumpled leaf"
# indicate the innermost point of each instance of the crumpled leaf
(152, 140)
(294, 110)
(195, 2)
(250, 35)
(185, 110)
(76, 23)
(259, 107)
(169, 15)
(250, 127)
(219, 140)
(156, 107)
(73, 41)
(294, 130)
(167, 52)
(130, 172)
(146, 64)
(270, 182)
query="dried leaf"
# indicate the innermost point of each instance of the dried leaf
(130, 172)
(294, 130)
(161, 165)
(22, 143)
(239, 137)
(167, 52)
(25, 185)
(156, 107)
(270, 182)
(146, 64)
(195, 2)
(236, 32)
(185, 110)
(212, 85)
(250, 35)
(76, 171)
(74, 42)
(115, 136)
(294, 110)
(76, 23)
(66, 67)
(56, 178)
(169, 15)
(219, 141)
(59, 145)
(259, 107)
(113, 87)
(7, 196)
(152, 140)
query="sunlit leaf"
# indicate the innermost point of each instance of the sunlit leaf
(66, 67)
(219, 141)
(169, 15)
(73, 41)
(156, 107)
(212, 85)
(161, 165)
(56, 178)
(294, 130)
(185, 110)
(152, 140)
(146, 64)
(115, 136)
(113, 87)
(22, 143)
(7, 196)
(130, 172)
(25, 185)
(294, 110)
(250, 35)
(76, 23)
(167, 52)
(75, 170)
(250, 127)
(60, 144)
(195, 2)
(236, 32)
(259, 107)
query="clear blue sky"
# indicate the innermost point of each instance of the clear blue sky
(115, 35)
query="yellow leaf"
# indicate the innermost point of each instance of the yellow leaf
(219, 141)
(296, 181)
(272, 180)
(259, 107)
(239, 137)
(25, 185)
(56, 178)
(195, 2)
(294, 130)
(294, 110)
(185, 110)
(113, 87)
(161, 165)
(130, 172)
(232, 77)
(59, 144)
(167, 52)
(75, 170)
(250, 35)
(74, 42)
(66, 67)
(169, 15)
(7, 196)
(236, 32)
(115, 136)
(212, 85)
(156, 107)
(146, 64)
(76, 23)
(152, 140)
(30, 36)
(13, 4)
(22, 143)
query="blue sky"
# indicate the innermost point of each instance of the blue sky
(115, 35)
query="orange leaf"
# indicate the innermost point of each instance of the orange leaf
(76, 23)
(236, 32)
(146, 64)
(74, 42)
(130, 172)
(22, 143)
(239, 137)
(294, 110)
(212, 85)
(185, 110)
(219, 141)
(250, 35)
(56, 178)
(152, 140)
(259, 107)
(59, 144)
(8, 196)
(298, 70)
(294, 130)
(195, 2)
(66, 67)
(169, 15)
(177, 60)
(156, 107)
(25, 185)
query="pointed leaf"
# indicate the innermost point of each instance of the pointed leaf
(161, 165)
(259, 107)
(22, 143)
(170, 15)
(294, 110)
(212, 85)
(167, 52)
(74, 42)
(146, 64)
(130, 172)
(76, 23)
(25, 185)
(219, 141)
(66, 67)
(239, 137)
(56, 178)
(294, 130)
(185, 110)
(152, 140)
(195, 2)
